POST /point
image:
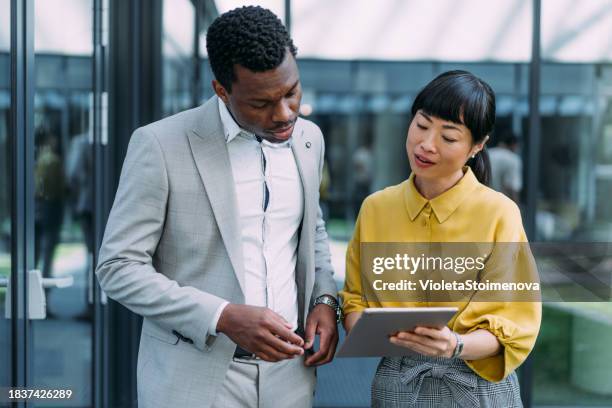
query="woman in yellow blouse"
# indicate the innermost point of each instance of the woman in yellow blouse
(472, 361)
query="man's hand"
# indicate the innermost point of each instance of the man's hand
(321, 321)
(260, 331)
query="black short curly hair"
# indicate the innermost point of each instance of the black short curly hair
(250, 36)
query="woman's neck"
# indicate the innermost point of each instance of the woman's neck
(431, 188)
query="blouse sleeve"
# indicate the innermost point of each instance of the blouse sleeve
(515, 322)
(515, 325)
(352, 294)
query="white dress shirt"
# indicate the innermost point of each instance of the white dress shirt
(269, 236)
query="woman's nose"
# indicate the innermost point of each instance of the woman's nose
(427, 143)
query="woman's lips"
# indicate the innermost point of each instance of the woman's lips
(422, 162)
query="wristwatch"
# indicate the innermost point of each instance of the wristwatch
(458, 347)
(331, 302)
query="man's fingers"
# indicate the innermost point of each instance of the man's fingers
(283, 347)
(325, 338)
(285, 333)
(314, 359)
(280, 319)
(265, 357)
(273, 354)
(324, 342)
(330, 351)
(309, 334)
(275, 349)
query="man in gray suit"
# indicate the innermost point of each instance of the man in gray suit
(216, 236)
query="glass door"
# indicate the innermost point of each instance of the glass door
(51, 79)
(61, 329)
(5, 191)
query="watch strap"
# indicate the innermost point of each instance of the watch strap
(331, 302)
(458, 346)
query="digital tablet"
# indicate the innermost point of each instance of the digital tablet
(370, 335)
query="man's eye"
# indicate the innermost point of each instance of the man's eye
(448, 139)
(421, 127)
(259, 106)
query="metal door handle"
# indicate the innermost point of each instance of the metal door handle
(37, 301)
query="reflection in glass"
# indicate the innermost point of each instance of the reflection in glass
(5, 190)
(62, 353)
(363, 109)
(177, 54)
(573, 205)
(572, 355)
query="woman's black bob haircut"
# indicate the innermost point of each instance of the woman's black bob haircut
(462, 98)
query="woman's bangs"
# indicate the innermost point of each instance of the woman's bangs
(444, 102)
(455, 104)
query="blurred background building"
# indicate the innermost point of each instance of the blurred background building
(78, 76)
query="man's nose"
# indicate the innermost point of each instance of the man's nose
(282, 113)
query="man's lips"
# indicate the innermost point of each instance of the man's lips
(284, 131)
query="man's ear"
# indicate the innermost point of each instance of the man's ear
(220, 91)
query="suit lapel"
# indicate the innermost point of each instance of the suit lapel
(209, 150)
(305, 160)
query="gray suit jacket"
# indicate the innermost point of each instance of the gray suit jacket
(172, 250)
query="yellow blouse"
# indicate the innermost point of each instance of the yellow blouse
(468, 212)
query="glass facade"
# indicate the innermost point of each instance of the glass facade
(63, 196)
(363, 108)
(177, 55)
(359, 78)
(571, 359)
(6, 172)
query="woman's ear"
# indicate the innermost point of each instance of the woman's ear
(479, 146)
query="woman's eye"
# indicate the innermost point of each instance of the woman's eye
(421, 126)
(448, 139)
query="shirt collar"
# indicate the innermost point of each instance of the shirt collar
(444, 204)
(231, 129)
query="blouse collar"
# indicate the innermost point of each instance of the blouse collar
(444, 204)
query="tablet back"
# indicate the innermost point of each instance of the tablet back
(370, 335)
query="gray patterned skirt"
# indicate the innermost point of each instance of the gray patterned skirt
(421, 381)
